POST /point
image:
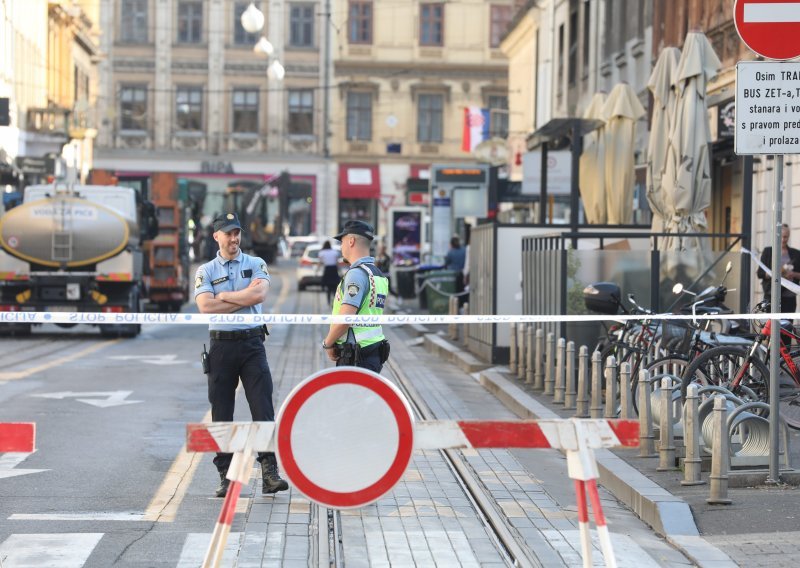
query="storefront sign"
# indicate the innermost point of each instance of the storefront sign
(212, 167)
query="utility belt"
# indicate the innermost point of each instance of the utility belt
(260, 331)
(352, 353)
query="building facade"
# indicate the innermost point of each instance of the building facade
(405, 76)
(185, 89)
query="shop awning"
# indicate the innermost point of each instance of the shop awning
(359, 181)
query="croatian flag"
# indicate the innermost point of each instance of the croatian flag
(476, 127)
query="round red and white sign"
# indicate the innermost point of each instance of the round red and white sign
(344, 437)
(771, 28)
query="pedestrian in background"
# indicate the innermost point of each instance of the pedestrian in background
(235, 282)
(330, 269)
(455, 260)
(362, 291)
(790, 269)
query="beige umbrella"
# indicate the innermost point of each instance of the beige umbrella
(687, 179)
(664, 100)
(621, 111)
(592, 166)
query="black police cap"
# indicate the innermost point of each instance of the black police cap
(227, 223)
(356, 228)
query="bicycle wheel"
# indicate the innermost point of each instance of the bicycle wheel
(789, 407)
(670, 365)
(721, 366)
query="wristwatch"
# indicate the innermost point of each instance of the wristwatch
(326, 347)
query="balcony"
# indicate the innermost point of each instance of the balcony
(53, 121)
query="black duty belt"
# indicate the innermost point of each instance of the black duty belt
(237, 334)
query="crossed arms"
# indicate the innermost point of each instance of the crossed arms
(230, 302)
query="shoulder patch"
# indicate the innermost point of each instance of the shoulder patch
(352, 289)
(264, 267)
(198, 281)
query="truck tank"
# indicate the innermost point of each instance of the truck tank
(68, 230)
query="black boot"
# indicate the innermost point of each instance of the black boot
(271, 477)
(224, 483)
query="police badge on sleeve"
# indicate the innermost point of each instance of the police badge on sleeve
(352, 289)
(198, 281)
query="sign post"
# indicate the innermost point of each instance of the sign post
(767, 107)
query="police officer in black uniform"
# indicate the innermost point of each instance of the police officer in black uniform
(236, 283)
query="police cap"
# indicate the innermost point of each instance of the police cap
(356, 228)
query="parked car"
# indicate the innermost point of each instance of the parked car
(296, 245)
(309, 269)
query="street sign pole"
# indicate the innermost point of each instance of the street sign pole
(775, 329)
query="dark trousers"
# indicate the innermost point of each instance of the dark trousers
(230, 360)
(370, 360)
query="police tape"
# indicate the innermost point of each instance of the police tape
(101, 318)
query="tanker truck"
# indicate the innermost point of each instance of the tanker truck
(75, 248)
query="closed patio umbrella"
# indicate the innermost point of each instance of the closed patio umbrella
(664, 100)
(687, 180)
(592, 166)
(621, 111)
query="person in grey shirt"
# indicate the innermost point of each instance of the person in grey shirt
(236, 283)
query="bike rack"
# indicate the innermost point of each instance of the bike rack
(753, 434)
(677, 407)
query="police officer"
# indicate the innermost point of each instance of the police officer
(363, 291)
(235, 282)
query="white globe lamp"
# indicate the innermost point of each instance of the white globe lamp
(252, 19)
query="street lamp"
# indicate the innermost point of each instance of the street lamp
(253, 21)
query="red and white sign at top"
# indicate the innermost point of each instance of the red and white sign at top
(771, 28)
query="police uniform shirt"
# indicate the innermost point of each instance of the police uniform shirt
(356, 282)
(222, 275)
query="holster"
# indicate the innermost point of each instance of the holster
(383, 350)
(349, 354)
(204, 360)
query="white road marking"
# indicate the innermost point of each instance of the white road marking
(775, 12)
(151, 359)
(11, 460)
(13, 375)
(86, 516)
(99, 399)
(196, 544)
(67, 550)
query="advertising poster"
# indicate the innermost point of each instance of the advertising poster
(406, 237)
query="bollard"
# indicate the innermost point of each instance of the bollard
(550, 363)
(561, 355)
(529, 367)
(452, 328)
(582, 399)
(538, 374)
(666, 447)
(569, 393)
(625, 403)
(512, 349)
(611, 387)
(691, 438)
(522, 356)
(464, 328)
(596, 410)
(647, 447)
(720, 457)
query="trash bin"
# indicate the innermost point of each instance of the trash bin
(419, 282)
(405, 282)
(440, 285)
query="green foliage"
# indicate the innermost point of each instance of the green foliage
(575, 303)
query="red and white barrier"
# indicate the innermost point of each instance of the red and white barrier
(17, 436)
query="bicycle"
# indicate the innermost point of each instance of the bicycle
(745, 372)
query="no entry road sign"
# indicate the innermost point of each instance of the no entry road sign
(770, 28)
(344, 437)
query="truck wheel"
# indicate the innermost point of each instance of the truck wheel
(15, 329)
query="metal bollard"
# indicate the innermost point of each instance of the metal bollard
(558, 393)
(596, 410)
(625, 403)
(582, 399)
(611, 387)
(512, 349)
(720, 457)
(464, 327)
(647, 447)
(538, 374)
(452, 328)
(691, 438)
(529, 367)
(550, 363)
(569, 393)
(666, 447)
(522, 356)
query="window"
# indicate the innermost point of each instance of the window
(245, 110)
(431, 24)
(498, 116)
(359, 23)
(133, 107)
(572, 69)
(240, 36)
(301, 25)
(301, 112)
(189, 108)
(501, 18)
(560, 56)
(586, 36)
(133, 21)
(190, 22)
(359, 115)
(430, 112)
